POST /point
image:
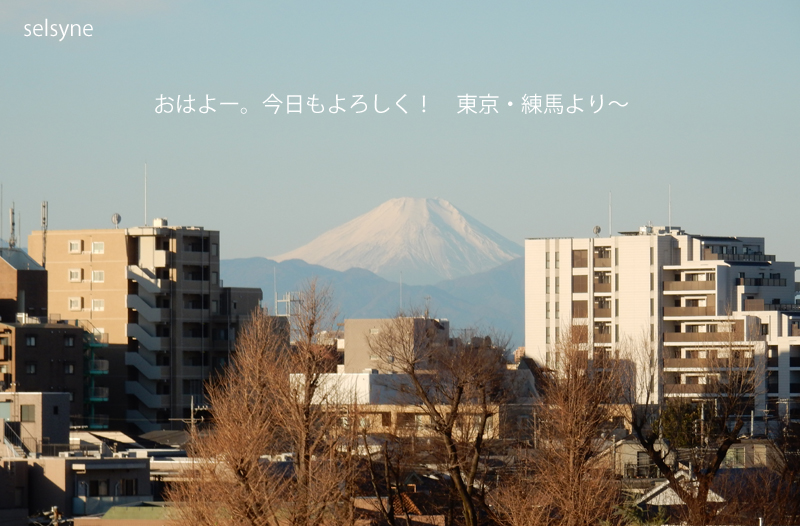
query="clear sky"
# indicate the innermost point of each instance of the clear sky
(712, 92)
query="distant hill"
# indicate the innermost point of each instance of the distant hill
(428, 240)
(490, 298)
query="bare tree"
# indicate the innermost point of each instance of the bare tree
(267, 405)
(697, 427)
(566, 481)
(457, 384)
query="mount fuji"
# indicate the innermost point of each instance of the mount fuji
(428, 240)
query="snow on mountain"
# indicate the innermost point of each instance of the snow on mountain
(428, 240)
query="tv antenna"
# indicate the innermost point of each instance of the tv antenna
(596, 231)
(116, 218)
(44, 233)
(12, 241)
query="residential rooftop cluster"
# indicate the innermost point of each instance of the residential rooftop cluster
(109, 337)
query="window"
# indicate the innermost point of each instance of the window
(75, 247)
(214, 249)
(547, 285)
(734, 458)
(130, 487)
(616, 282)
(558, 285)
(98, 305)
(27, 413)
(69, 341)
(55, 409)
(616, 307)
(558, 310)
(556, 334)
(98, 488)
(98, 247)
(764, 329)
(651, 255)
(547, 311)
(75, 274)
(547, 260)
(214, 278)
(98, 276)
(75, 303)
(547, 335)
(374, 331)
(652, 281)
(215, 306)
(69, 368)
(30, 340)
(652, 307)
(30, 367)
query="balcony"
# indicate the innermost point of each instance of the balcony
(760, 282)
(152, 343)
(98, 367)
(689, 311)
(711, 256)
(602, 312)
(702, 336)
(602, 262)
(689, 285)
(146, 279)
(602, 287)
(706, 363)
(678, 389)
(97, 394)
(152, 400)
(150, 371)
(602, 337)
(148, 312)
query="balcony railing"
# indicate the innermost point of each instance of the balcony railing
(690, 285)
(602, 287)
(706, 363)
(709, 255)
(674, 389)
(602, 312)
(98, 367)
(689, 311)
(600, 337)
(760, 282)
(602, 262)
(98, 394)
(702, 336)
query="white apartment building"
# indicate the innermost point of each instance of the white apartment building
(685, 294)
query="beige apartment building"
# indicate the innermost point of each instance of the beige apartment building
(688, 297)
(154, 295)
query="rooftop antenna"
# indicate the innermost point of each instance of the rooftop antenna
(145, 193)
(44, 233)
(116, 218)
(610, 230)
(596, 231)
(11, 241)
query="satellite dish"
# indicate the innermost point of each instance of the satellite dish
(116, 218)
(596, 230)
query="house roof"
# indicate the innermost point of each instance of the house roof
(19, 259)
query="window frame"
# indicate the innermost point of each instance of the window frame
(98, 247)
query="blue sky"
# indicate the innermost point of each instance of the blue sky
(711, 87)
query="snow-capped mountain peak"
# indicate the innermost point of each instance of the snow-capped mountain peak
(428, 240)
